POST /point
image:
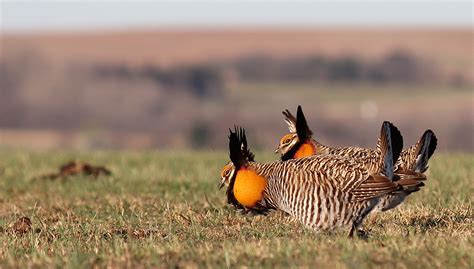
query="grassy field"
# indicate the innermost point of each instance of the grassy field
(163, 209)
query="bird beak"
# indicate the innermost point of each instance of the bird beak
(222, 184)
(277, 150)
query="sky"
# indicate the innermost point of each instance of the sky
(34, 15)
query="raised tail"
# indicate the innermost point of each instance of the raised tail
(424, 150)
(390, 146)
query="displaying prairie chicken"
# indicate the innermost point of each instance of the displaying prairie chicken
(300, 143)
(322, 191)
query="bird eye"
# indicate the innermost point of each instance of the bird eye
(227, 173)
(286, 141)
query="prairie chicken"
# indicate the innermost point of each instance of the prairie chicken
(322, 191)
(300, 143)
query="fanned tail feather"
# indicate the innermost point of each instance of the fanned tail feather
(390, 146)
(424, 150)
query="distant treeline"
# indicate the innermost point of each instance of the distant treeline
(398, 66)
(199, 80)
(206, 80)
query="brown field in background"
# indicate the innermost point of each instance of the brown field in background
(449, 48)
(59, 101)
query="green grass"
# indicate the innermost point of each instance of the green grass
(163, 209)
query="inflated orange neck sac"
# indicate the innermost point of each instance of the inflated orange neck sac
(305, 150)
(249, 187)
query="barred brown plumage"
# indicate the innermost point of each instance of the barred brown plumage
(415, 158)
(322, 191)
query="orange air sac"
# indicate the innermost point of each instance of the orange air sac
(249, 187)
(305, 150)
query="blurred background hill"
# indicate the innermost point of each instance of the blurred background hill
(159, 86)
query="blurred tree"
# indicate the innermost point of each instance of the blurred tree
(204, 81)
(398, 66)
(200, 135)
(343, 69)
